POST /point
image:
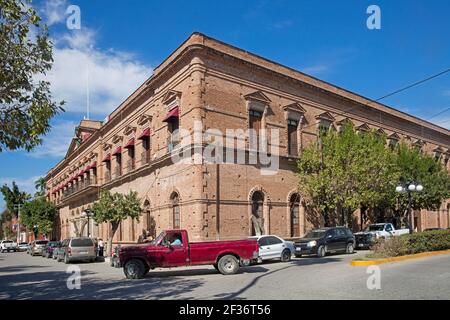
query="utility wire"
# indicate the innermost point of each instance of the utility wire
(390, 94)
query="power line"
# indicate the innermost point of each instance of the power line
(391, 94)
(439, 113)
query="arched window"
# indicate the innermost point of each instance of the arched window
(294, 206)
(257, 213)
(175, 210)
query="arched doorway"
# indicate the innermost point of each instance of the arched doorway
(294, 212)
(175, 210)
(257, 217)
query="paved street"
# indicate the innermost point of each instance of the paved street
(26, 277)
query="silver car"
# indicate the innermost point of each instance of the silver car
(77, 249)
(37, 247)
(274, 247)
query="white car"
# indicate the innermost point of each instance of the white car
(8, 245)
(274, 247)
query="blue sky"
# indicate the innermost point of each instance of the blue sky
(120, 42)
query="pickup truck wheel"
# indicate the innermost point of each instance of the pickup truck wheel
(350, 248)
(215, 266)
(228, 264)
(134, 269)
(66, 259)
(286, 255)
(321, 251)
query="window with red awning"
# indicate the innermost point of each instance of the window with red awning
(145, 133)
(117, 151)
(174, 113)
(130, 144)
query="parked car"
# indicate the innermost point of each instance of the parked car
(173, 249)
(325, 240)
(8, 245)
(30, 245)
(50, 248)
(368, 237)
(37, 247)
(77, 249)
(23, 246)
(274, 247)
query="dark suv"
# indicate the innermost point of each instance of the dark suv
(325, 240)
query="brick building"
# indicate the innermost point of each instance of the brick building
(225, 88)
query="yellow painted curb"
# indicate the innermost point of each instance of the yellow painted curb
(361, 263)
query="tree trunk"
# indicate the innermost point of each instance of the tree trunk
(112, 232)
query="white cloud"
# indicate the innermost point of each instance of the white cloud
(54, 11)
(112, 75)
(26, 185)
(57, 142)
(316, 69)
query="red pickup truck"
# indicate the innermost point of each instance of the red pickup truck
(172, 249)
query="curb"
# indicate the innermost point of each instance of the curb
(361, 263)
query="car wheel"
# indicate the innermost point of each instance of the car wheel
(134, 269)
(228, 264)
(58, 259)
(66, 259)
(321, 251)
(215, 266)
(286, 255)
(350, 249)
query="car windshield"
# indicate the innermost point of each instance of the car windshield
(7, 241)
(315, 234)
(159, 238)
(41, 242)
(52, 244)
(82, 242)
(376, 227)
(23, 243)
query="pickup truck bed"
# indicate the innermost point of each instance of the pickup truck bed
(172, 249)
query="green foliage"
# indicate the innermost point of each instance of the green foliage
(40, 186)
(346, 170)
(115, 207)
(412, 165)
(411, 244)
(38, 212)
(26, 105)
(13, 196)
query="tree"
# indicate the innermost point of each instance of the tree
(40, 186)
(40, 213)
(112, 208)
(26, 105)
(345, 171)
(412, 165)
(5, 225)
(14, 196)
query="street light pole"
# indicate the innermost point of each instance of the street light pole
(87, 213)
(18, 206)
(409, 188)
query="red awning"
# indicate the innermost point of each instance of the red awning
(93, 165)
(145, 133)
(107, 157)
(174, 113)
(117, 151)
(130, 143)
